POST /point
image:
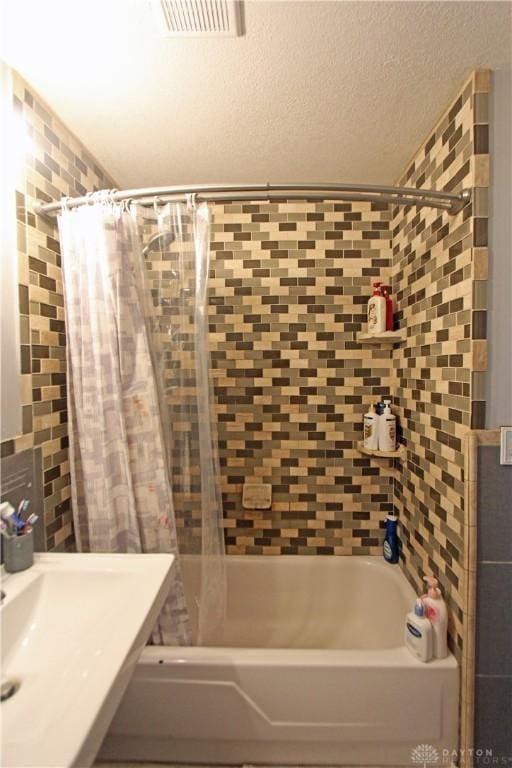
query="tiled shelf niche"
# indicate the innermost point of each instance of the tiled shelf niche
(400, 451)
(386, 337)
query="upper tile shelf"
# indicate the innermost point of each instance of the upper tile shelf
(386, 337)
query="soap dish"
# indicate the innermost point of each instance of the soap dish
(257, 496)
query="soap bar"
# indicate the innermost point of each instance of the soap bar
(257, 496)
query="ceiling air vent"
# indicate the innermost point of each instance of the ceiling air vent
(198, 18)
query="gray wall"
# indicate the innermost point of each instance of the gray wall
(493, 684)
(499, 329)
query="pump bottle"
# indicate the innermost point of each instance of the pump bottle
(387, 429)
(436, 612)
(418, 633)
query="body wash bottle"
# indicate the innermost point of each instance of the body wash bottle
(391, 543)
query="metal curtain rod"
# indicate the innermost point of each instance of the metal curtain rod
(446, 201)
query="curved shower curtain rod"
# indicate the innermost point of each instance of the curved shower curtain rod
(445, 201)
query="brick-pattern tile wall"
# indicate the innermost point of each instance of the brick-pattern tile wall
(288, 291)
(439, 274)
(288, 286)
(57, 164)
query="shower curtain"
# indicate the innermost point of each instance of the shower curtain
(143, 455)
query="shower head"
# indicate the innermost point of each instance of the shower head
(162, 239)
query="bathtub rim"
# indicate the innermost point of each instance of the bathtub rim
(398, 657)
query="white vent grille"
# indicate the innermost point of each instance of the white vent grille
(198, 18)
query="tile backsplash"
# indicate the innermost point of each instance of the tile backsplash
(57, 165)
(288, 291)
(439, 279)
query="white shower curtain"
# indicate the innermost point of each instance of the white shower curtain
(121, 436)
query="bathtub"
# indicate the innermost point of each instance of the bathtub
(310, 670)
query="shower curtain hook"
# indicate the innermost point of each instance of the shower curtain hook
(192, 201)
(101, 196)
(111, 193)
(156, 203)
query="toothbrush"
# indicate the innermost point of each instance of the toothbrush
(18, 524)
(23, 507)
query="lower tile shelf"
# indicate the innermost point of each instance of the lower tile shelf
(400, 451)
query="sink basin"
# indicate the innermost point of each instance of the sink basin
(73, 627)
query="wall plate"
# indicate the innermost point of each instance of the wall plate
(506, 445)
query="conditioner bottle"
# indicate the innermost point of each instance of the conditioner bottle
(371, 429)
(387, 429)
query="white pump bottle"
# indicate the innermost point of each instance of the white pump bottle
(436, 612)
(387, 429)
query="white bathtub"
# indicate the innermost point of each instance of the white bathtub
(311, 670)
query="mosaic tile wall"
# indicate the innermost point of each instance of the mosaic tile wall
(439, 279)
(57, 164)
(288, 292)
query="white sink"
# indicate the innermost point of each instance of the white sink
(73, 627)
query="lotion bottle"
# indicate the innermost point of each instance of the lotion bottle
(371, 429)
(418, 633)
(377, 311)
(387, 429)
(437, 614)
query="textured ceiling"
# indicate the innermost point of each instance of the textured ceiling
(314, 91)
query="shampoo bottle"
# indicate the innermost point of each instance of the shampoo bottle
(391, 545)
(386, 292)
(387, 429)
(371, 429)
(436, 613)
(376, 311)
(418, 633)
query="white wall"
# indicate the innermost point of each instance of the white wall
(10, 381)
(499, 328)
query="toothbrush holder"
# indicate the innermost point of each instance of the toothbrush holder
(18, 552)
